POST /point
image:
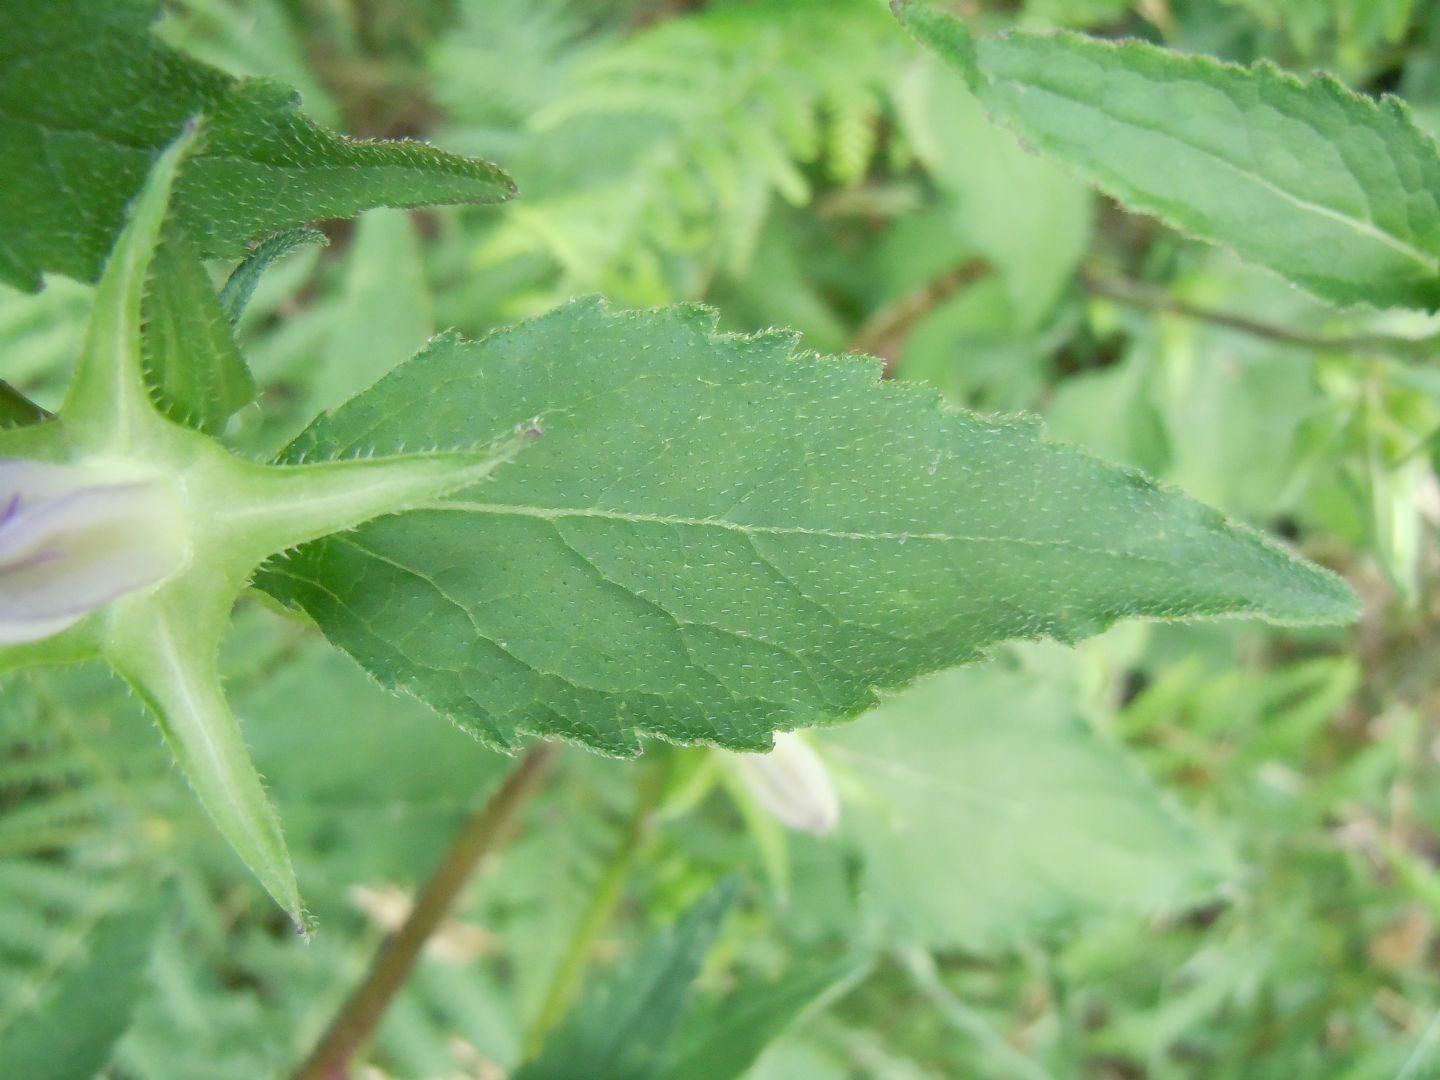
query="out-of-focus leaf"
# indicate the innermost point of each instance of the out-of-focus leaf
(622, 1027)
(61, 1019)
(989, 812)
(722, 1041)
(385, 310)
(1335, 191)
(1026, 217)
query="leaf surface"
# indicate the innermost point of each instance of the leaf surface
(718, 536)
(78, 148)
(1336, 191)
(990, 812)
(191, 359)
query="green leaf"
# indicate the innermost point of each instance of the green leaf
(78, 148)
(241, 284)
(1026, 216)
(191, 359)
(1335, 191)
(16, 410)
(621, 1028)
(722, 1040)
(718, 536)
(385, 308)
(62, 1020)
(988, 811)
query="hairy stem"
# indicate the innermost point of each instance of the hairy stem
(358, 1019)
(1134, 294)
(603, 902)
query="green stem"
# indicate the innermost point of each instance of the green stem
(603, 902)
(1070, 1052)
(920, 966)
(358, 1019)
(1133, 294)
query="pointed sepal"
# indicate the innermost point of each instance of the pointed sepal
(172, 666)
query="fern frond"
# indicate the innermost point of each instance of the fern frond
(678, 137)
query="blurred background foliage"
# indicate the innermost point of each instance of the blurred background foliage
(1176, 851)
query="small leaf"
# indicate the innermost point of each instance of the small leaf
(721, 536)
(1338, 192)
(240, 286)
(721, 1040)
(78, 148)
(62, 1021)
(990, 812)
(191, 359)
(621, 1028)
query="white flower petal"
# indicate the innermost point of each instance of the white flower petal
(792, 784)
(72, 539)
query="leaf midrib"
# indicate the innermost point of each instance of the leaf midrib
(560, 513)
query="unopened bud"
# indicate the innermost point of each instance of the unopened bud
(792, 784)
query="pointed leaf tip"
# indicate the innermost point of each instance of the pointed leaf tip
(171, 665)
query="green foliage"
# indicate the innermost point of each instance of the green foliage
(1167, 851)
(650, 160)
(989, 813)
(1332, 190)
(191, 359)
(62, 1021)
(625, 1023)
(83, 144)
(721, 1039)
(1360, 25)
(240, 286)
(1026, 217)
(803, 567)
(75, 930)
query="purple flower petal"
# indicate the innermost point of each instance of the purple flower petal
(72, 540)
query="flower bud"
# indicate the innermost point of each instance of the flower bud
(792, 784)
(75, 537)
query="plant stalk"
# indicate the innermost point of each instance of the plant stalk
(1136, 295)
(884, 333)
(603, 902)
(358, 1019)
